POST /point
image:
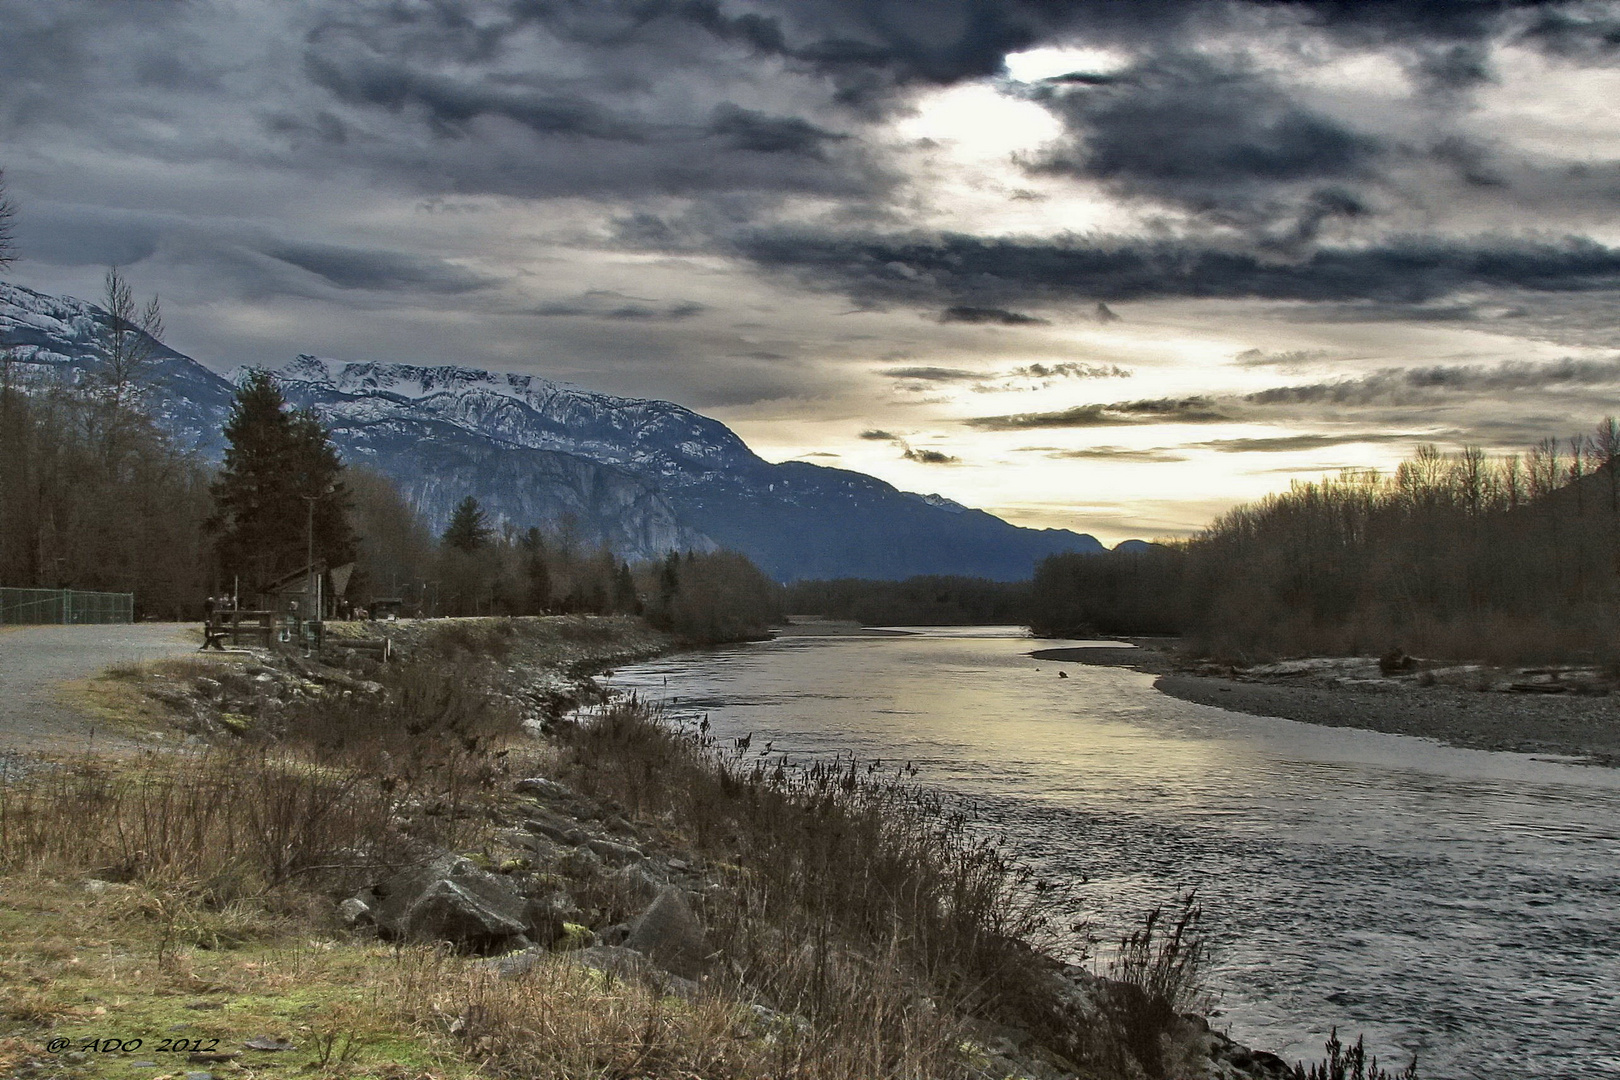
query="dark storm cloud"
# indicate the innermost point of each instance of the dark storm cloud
(1155, 455)
(1204, 134)
(958, 267)
(963, 313)
(357, 268)
(89, 235)
(1401, 386)
(451, 104)
(1577, 31)
(1192, 410)
(607, 304)
(1292, 358)
(1070, 371)
(1385, 397)
(879, 435)
(930, 457)
(931, 374)
(1288, 443)
(745, 129)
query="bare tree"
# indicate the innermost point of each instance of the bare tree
(8, 214)
(1470, 473)
(1544, 468)
(129, 340)
(1607, 446)
(1511, 474)
(1580, 460)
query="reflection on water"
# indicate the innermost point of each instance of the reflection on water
(1456, 903)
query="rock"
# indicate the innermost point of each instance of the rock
(541, 786)
(267, 1043)
(615, 934)
(630, 964)
(635, 883)
(670, 933)
(356, 912)
(516, 965)
(461, 912)
(452, 900)
(615, 852)
(545, 918)
(1396, 661)
(539, 846)
(576, 936)
(208, 688)
(556, 828)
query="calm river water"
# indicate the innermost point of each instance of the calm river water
(1459, 904)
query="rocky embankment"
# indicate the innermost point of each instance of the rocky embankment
(547, 867)
(539, 668)
(1565, 711)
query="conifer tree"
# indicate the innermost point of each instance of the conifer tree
(280, 486)
(469, 527)
(625, 600)
(537, 570)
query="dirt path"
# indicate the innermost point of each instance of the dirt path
(35, 661)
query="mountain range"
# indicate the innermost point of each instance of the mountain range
(645, 477)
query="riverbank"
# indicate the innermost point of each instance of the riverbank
(620, 898)
(1568, 713)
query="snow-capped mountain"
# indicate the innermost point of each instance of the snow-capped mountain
(646, 477)
(62, 335)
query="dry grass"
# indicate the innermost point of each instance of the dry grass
(560, 1020)
(81, 965)
(868, 923)
(858, 902)
(119, 697)
(222, 824)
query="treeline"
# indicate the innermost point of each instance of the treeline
(95, 496)
(477, 569)
(1512, 559)
(918, 601)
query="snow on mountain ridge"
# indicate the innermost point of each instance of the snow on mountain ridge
(524, 410)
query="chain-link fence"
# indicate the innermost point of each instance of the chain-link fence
(68, 606)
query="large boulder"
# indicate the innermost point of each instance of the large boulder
(669, 932)
(452, 900)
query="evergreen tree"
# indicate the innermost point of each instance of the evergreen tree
(537, 570)
(281, 486)
(625, 600)
(469, 527)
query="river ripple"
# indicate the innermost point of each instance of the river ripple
(1458, 904)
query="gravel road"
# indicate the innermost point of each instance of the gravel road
(36, 660)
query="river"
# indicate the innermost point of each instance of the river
(1457, 904)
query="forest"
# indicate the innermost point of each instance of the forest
(933, 600)
(1461, 556)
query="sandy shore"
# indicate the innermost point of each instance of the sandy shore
(1585, 727)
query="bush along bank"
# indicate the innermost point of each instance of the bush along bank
(616, 898)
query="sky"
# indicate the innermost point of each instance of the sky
(1112, 266)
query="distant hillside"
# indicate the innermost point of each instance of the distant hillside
(643, 476)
